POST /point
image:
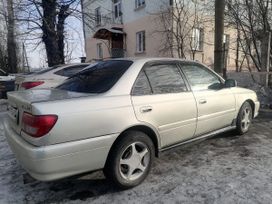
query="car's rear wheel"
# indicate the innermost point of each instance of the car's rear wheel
(244, 118)
(130, 159)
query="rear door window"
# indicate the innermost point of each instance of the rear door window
(97, 79)
(141, 86)
(165, 78)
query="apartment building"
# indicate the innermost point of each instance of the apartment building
(150, 28)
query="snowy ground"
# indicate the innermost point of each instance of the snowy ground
(226, 169)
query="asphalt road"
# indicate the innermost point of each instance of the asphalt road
(224, 169)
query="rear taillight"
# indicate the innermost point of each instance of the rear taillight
(31, 84)
(38, 126)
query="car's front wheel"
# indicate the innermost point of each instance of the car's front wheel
(244, 118)
(130, 159)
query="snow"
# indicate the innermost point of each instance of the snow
(225, 169)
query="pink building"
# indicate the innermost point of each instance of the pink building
(147, 28)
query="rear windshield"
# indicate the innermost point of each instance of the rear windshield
(97, 79)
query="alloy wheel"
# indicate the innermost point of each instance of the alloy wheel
(134, 161)
(246, 119)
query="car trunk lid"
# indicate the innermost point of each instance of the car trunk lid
(22, 101)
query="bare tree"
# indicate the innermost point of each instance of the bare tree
(181, 26)
(11, 42)
(252, 20)
(3, 58)
(3, 37)
(45, 21)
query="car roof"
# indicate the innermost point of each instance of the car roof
(148, 59)
(60, 67)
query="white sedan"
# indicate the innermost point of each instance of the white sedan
(119, 114)
(48, 78)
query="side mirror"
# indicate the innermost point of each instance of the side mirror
(229, 83)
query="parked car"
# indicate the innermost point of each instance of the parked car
(48, 78)
(119, 114)
(6, 83)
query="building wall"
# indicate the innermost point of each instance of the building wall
(146, 19)
(153, 44)
(134, 20)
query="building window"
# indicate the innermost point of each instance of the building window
(139, 3)
(98, 16)
(99, 51)
(171, 2)
(117, 8)
(140, 40)
(197, 39)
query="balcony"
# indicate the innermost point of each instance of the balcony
(109, 20)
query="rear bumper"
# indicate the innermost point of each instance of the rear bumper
(61, 160)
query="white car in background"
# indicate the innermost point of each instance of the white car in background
(48, 78)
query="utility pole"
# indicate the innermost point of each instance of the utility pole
(219, 33)
(11, 43)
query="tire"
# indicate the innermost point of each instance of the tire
(244, 118)
(130, 160)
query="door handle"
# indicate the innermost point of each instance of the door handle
(202, 101)
(146, 109)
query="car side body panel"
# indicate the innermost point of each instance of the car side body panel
(216, 109)
(173, 115)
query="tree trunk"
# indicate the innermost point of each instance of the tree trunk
(50, 36)
(3, 57)
(11, 43)
(219, 32)
(265, 57)
(63, 14)
(237, 48)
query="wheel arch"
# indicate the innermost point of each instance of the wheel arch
(252, 104)
(150, 132)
